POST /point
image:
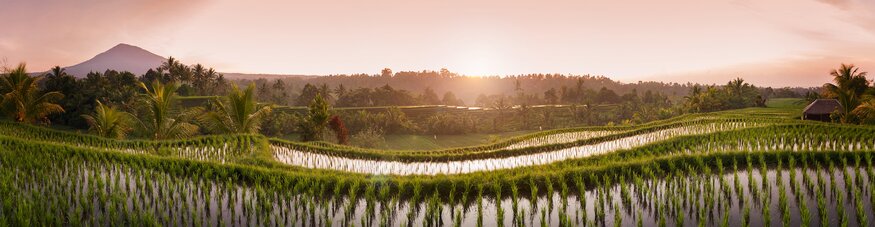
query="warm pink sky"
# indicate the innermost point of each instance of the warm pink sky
(769, 42)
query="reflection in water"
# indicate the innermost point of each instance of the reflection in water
(322, 161)
(100, 193)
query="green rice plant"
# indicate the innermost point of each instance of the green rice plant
(840, 210)
(766, 210)
(821, 206)
(679, 217)
(533, 189)
(499, 211)
(479, 205)
(662, 219)
(804, 214)
(434, 210)
(782, 203)
(862, 220)
(514, 199)
(618, 220)
(871, 193)
(625, 196)
(580, 184)
(548, 182)
(370, 198)
(452, 199)
(737, 182)
(563, 193)
(764, 173)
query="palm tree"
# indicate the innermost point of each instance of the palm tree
(866, 111)
(238, 112)
(169, 64)
(736, 86)
(23, 101)
(693, 100)
(850, 84)
(318, 116)
(107, 121)
(219, 85)
(162, 119)
(57, 71)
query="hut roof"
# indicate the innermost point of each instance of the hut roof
(822, 106)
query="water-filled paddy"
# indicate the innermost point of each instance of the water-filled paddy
(766, 191)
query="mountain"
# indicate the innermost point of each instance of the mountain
(122, 57)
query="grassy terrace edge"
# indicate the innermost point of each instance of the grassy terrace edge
(496, 150)
(24, 154)
(244, 142)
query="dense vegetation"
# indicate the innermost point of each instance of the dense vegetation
(426, 100)
(651, 184)
(740, 163)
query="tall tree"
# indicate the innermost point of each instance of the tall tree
(23, 101)
(325, 91)
(107, 121)
(428, 97)
(340, 91)
(237, 112)
(202, 78)
(308, 93)
(176, 71)
(693, 100)
(850, 84)
(58, 80)
(314, 123)
(450, 99)
(280, 95)
(163, 119)
(57, 71)
(386, 72)
(551, 97)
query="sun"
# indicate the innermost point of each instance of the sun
(478, 63)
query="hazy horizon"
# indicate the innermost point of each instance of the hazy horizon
(774, 43)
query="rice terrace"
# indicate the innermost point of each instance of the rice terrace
(773, 131)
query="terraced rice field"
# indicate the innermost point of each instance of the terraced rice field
(737, 168)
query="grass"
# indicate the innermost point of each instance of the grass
(417, 142)
(438, 142)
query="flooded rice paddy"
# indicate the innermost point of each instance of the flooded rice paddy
(810, 193)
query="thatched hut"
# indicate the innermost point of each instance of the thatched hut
(820, 109)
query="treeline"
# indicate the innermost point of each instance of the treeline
(447, 88)
(121, 88)
(513, 103)
(734, 95)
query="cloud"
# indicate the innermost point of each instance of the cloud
(841, 4)
(859, 12)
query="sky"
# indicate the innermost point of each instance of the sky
(766, 42)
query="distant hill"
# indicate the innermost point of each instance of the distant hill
(122, 57)
(125, 57)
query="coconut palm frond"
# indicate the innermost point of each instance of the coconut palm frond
(238, 112)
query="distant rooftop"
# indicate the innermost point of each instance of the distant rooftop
(822, 106)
